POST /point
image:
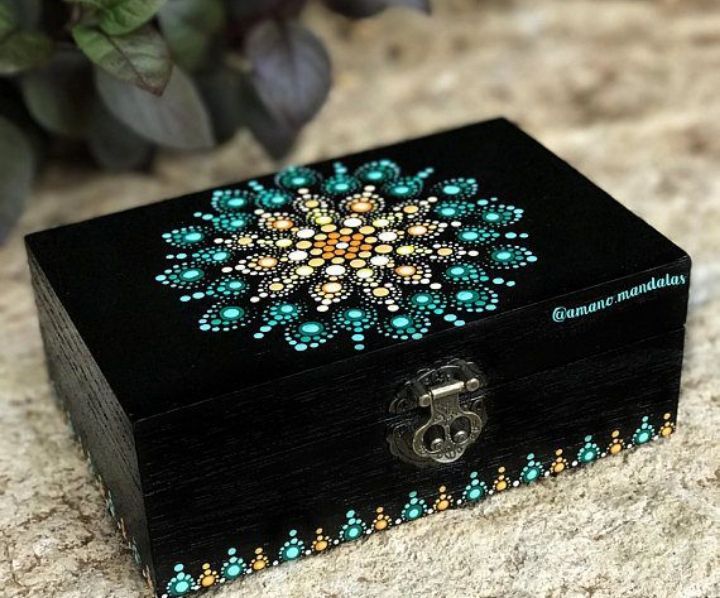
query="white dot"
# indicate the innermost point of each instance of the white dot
(387, 236)
(379, 260)
(335, 270)
(305, 233)
(322, 308)
(297, 256)
(352, 222)
(435, 286)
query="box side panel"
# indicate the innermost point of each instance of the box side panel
(98, 421)
(271, 484)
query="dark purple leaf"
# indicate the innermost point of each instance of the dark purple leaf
(291, 71)
(360, 9)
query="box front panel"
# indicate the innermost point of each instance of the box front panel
(231, 491)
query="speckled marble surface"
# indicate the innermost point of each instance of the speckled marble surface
(625, 90)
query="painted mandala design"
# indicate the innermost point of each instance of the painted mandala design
(316, 256)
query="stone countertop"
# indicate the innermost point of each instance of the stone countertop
(627, 91)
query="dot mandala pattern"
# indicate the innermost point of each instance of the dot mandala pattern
(315, 256)
(471, 491)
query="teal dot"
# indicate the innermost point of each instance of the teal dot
(401, 322)
(474, 494)
(421, 299)
(503, 256)
(342, 186)
(457, 270)
(448, 212)
(358, 337)
(353, 532)
(232, 313)
(643, 437)
(491, 216)
(236, 202)
(414, 512)
(192, 237)
(469, 235)
(299, 180)
(531, 474)
(292, 553)
(354, 314)
(374, 175)
(451, 189)
(192, 274)
(182, 586)
(287, 309)
(235, 284)
(401, 189)
(233, 571)
(218, 256)
(311, 328)
(466, 296)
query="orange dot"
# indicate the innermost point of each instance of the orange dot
(351, 256)
(558, 467)
(665, 431)
(327, 255)
(442, 505)
(615, 448)
(345, 239)
(283, 224)
(381, 524)
(321, 545)
(361, 206)
(331, 287)
(268, 262)
(207, 581)
(417, 230)
(334, 235)
(365, 247)
(258, 565)
(357, 237)
(501, 485)
(405, 270)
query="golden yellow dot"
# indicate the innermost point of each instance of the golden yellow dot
(383, 249)
(405, 249)
(267, 262)
(615, 433)
(558, 467)
(258, 565)
(277, 286)
(328, 228)
(380, 292)
(331, 287)
(411, 209)
(667, 416)
(381, 524)
(346, 231)
(364, 273)
(284, 243)
(320, 237)
(615, 448)
(361, 206)
(442, 489)
(207, 581)
(367, 230)
(357, 263)
(364, 254)
(322, 220)
(501, 485)
(442, 505)
(501, 470)
(417, 230)
(321, 545)
(406, 271)
(381, 222)
(244, 241)
(370, 239)
(304, 271)
(283, 224)
(338, 260)
(445, 251)
(665, 431)
(312, 203)
(303, 245)
(379, 510)
(316, 262)
(558, 452)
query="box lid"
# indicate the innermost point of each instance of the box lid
(219, 291)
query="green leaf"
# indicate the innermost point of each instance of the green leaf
(123, 16)
(27, 12)
(141, 57)
(177, 119)
(58, 95)
(114, 145)
(189, 27)
(221, 90)
(17, 167)
(20, 50)
(23, 50)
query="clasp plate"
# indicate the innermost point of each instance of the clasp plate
(456, 415)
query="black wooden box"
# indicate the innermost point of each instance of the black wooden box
(261, 372)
